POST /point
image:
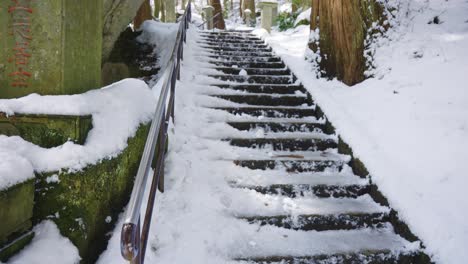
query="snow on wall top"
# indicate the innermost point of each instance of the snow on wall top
(117, 110)
(14, 169)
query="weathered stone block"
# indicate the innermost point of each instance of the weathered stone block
(85, 204)
(46, 130)
(16, 205)
(50, 47)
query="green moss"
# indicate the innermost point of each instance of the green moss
(81, 201)
(16, 246)
(16, 205)
(47, 130)
(358, 167)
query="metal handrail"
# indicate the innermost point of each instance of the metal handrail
(133, 241)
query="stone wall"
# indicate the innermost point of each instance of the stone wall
(117, 15)
(44, 49)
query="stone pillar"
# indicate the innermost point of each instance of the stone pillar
(44, 51)
(170, 11)
(267, 14)
(208, 11)
(247, 17)
(275, 15)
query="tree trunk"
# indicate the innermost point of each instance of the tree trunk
(241, 12)
(219, 20)
(163, 10)
(343, 27)
(143, 14)
(170, 6)
(157, 8)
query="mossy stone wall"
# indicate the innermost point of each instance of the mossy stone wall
(54, 47)
(343, 29)
(85, 204)
(16, 210)
(46, 131)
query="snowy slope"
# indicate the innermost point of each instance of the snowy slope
(409, 124)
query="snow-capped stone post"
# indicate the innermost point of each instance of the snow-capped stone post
(208, 11)
(267, 14)
(42, 51)
(247, 17)
(249, 4)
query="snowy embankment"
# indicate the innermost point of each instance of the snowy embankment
(409, 124)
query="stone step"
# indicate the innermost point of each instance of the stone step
(371, 257)
(230, 38)
(276, 112)
(239, 53)
(228, 32)
(323, 222)
(263, 88)
(286, 144)
(233, 41)
(279, 127)
(322, 190)
(261, 65)
(258, 79)
(241, 58)
(232, 45)
(253, 71)
(266, 100)
(236, 49)
(291, 165)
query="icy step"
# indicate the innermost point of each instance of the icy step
(292, 165)
(367, 256)
(242, 58)
(263, 88)
(223, 38)
(227, 44)
(266, 100)
(257, 79)
(228, 33)
(232, 41)
(279, 127)
(236, 53)
(323, 222)
(248, 203)
(253, 71)
(264, 179)
(245, 49)
(279, 112)
(322, 191)
(260, 65)
(285, 143)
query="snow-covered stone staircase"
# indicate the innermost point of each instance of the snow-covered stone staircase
(289, 182)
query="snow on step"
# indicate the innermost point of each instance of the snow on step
(247, 202)
(274, 241)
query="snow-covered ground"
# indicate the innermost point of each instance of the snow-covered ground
(409, 124)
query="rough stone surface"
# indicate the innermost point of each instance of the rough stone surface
(46, 131)
(117, 15)
(343, 29)
(81, 201)
(48, 59)
(16, 205)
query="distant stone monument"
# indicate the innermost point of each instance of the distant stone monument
(208, 11)
(268, 17)
(44, 49)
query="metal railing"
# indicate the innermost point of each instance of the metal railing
(133, 241)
